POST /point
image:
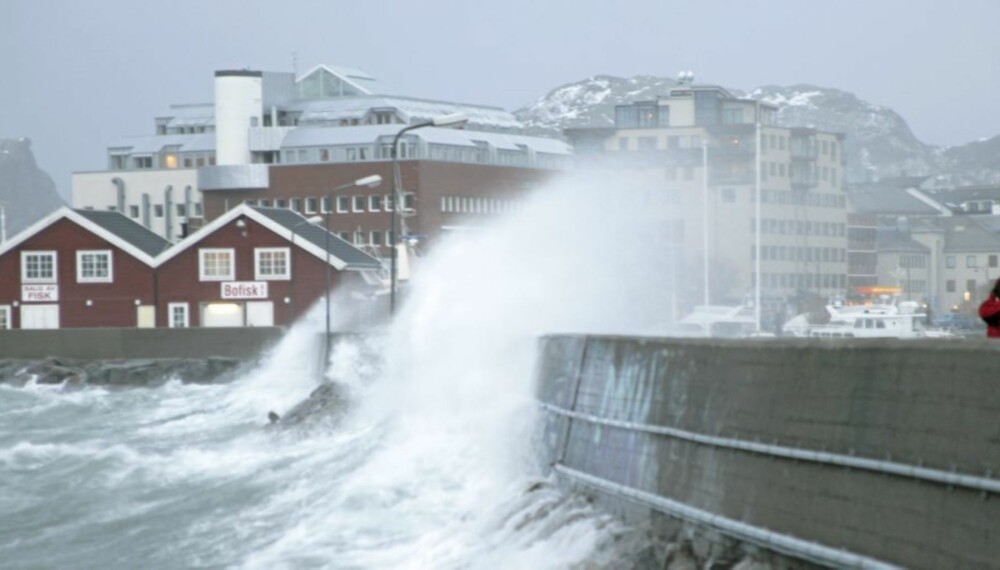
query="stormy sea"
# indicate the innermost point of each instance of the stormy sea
(428, 457)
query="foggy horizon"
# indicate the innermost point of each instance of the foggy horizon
(78, 76)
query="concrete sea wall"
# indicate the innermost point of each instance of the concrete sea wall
(130, 343)
(842, 453)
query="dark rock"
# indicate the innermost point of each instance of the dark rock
(328, 401)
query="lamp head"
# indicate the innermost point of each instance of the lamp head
(370, 181)
(450, 120)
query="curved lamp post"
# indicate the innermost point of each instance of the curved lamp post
(452, 120)
(312, 220)
(369, 181)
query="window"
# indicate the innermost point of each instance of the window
(216, 265)
(970, 261)
(949, 261)
(374, 203)
(271, 263)
(38, 267)
(94, 266)
(343, 204)
(358, 204)
(177, 315)
(133, 211)
(310, 205)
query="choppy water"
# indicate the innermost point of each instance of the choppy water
(432, 467)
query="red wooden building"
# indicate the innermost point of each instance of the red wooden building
(238, 270)
(79, 268)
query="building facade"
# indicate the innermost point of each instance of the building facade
(265, 129)
(712, 148)
(79, 268)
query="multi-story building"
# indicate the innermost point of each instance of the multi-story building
(274, 139)
(704, 140)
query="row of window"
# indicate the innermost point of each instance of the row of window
(802, 280)
(96, 266)
(478, 205)
(92, 266)
(134, 210)
(971, 261)
(773, 226)
(219, 264)
(805, 253)
(344, 204)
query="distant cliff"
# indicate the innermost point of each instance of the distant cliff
(879, 142)
(26, 192)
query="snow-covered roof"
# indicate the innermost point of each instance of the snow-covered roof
(411, 109)
(151, 144)
(334, 136)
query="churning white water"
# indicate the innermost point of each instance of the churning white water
(432, 466)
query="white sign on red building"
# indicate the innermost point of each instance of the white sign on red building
(39, 293)
(244, 290)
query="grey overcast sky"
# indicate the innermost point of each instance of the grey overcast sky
(75, 74)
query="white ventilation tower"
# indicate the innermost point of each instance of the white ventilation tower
(238, 106)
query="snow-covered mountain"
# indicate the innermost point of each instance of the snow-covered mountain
(879, 142)
(26, 192)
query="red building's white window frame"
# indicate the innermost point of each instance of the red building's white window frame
(202, 264)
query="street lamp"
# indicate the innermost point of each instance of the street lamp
(756, 295)
(369, 181)
(313, 220)
(452, 120)
(704, 216)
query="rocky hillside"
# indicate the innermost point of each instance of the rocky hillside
(879, 142)
(27, 192)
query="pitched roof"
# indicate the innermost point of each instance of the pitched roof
(113, 227)
(341, 255)
(319, 237)
(125, 228)
(965, 233)
(887, 199)
(892, 239)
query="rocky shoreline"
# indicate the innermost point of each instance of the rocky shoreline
(132, 373)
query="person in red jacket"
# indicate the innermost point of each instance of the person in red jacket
(989, 311)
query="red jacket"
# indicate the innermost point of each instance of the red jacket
(989, 311)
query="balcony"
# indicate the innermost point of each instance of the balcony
(234, 177)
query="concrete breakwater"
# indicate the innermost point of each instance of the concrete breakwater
(850, 454)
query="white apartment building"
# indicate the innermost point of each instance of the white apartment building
(704, 140)
(257, 120)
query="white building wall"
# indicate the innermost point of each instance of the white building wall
(98, 190)
(238, 108)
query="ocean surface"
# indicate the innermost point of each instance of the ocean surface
(433, 464)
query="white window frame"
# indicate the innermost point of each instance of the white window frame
(286, 276)
(231, 275)
(80, 278)
(24, 267)
(354, 203)
(170, 315)
(7, 313)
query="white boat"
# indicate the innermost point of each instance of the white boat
(867, 321)
(718, 321)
